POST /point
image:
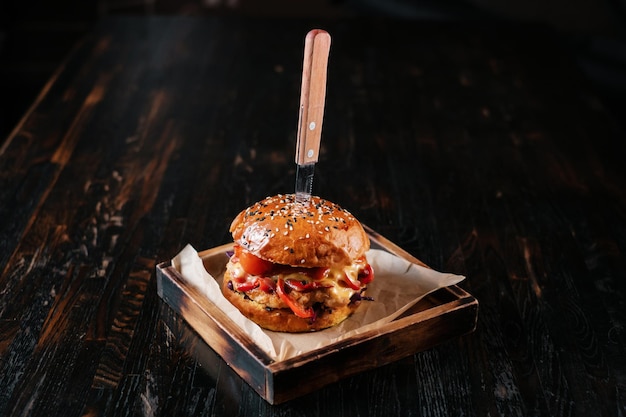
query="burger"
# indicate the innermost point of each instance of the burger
(297, 266)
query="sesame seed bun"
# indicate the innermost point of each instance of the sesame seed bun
(317, 233)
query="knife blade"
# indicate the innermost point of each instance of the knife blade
(311, 112)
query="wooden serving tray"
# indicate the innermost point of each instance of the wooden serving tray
(440, 316)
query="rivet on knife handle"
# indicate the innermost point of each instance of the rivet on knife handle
(312, 96)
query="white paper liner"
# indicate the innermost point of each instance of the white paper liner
(397, 286)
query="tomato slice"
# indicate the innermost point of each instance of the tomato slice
(252, 264)
(298, 310)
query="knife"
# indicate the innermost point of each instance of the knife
(311, 114)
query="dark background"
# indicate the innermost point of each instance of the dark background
(36, 36)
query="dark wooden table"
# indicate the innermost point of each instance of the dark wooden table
(477, 148)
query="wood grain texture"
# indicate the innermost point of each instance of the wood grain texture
(478, 148)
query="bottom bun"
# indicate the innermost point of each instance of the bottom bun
(283, 319)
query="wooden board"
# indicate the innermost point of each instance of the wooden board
(447, 313)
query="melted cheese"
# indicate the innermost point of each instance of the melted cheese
(236, 270)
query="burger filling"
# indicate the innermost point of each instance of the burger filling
(305, 291)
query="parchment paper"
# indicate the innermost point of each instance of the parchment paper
(397, 286)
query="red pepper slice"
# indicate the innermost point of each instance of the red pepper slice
(320, 273)
(355, 285)
(366, 275)
(304, 286)
(298, 310)
(266, 284)
(246, 286)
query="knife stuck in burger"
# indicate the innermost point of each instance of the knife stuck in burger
(299, 260)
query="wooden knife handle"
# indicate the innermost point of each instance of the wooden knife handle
(312, 96)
